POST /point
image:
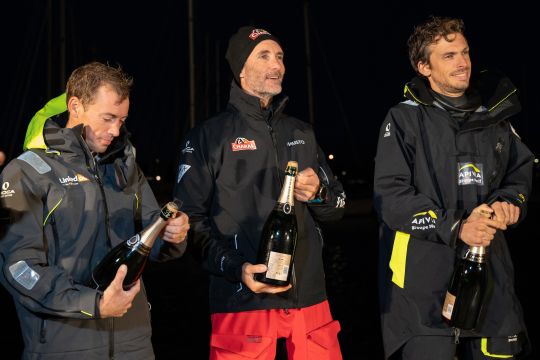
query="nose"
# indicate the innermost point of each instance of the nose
(114, 130)
(277, 63)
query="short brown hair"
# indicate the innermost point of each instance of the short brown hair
(85, 81)
(429, 33)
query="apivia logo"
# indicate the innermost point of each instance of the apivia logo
(470, 174)
(387, 130)
(243, 144)
(6, 191)
(424, 220)
(188, 149)
(296, 142)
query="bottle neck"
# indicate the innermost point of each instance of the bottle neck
(287, 192)
(477, 254)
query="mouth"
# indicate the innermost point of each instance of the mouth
(461, 75)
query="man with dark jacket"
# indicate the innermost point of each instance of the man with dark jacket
(230, 175)
(444, 154)
(75, 193)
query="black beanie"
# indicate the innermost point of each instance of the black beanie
(242, 44)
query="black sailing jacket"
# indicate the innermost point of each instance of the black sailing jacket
(229, 178)
(430, 173)
(65, 212)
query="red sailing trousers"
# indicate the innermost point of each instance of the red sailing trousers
(310, 333)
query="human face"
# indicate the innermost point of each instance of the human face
(263, 71)
(449, 66)
(102, 118)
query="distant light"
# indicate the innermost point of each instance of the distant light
(536, 161)
(331, 157)
(158, 178)
(343, 173)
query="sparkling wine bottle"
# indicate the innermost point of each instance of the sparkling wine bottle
(468, 287)
(278, 238)
(133, 252)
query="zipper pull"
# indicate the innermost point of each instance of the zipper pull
(456, 332)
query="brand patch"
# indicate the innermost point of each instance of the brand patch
(6, 191)
(424, 220)
(73, 180)
(182, 169)
(296, 142)
(470, 174)
(243, 144)
(258, 32)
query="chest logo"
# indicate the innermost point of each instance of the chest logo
(296, 142)
(470, 174)
(241, 144)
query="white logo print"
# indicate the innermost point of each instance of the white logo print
(6, 192)
(188, 149)
(470, 174)
(296, 142)
(387, 130)
(182, 169)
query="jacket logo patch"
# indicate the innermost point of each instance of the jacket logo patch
(424, 220)
(258, 32)
(6, 191)
(470, 174)
(243, 144)
(187, 149)
(182, 170)
(81, 178)
(387, 130)
(296, 142)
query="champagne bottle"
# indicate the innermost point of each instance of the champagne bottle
(133, 252)
(468, 287)
(278, 238)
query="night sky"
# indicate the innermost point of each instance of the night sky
(359, 64)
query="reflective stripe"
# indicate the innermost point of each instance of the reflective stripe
(483, 345)
(35, 161)
(398, 261)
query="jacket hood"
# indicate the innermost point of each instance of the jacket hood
(34, 133)
(496, 91)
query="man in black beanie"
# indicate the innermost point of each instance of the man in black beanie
(229, 177)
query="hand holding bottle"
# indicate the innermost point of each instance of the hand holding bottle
(306, 185)
(115, 301)
(479, 229)
(249, 270)
(505, 212)
(176, 229)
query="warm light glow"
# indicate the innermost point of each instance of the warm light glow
(331, 157)
(158, 178)
(536, 161)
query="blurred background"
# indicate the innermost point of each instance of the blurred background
(346, 66)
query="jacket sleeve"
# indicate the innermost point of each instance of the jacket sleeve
(516, 184)
(25, 269)
(333, 207)
(195, 188)
(399, 204)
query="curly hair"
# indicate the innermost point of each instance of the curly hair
(429, 33)
(85, 81)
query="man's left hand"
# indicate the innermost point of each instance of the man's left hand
(306, 185)
(505, 212)
(176, 229)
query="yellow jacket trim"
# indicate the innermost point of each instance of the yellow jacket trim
(483, 345)
(398, 261)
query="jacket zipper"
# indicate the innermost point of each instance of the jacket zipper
(56, 239)
(111, 338)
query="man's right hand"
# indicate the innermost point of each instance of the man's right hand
(479, 229)
(115, 302)
(249, 270)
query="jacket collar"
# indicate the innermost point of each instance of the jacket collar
(498, 94)
(250, 105)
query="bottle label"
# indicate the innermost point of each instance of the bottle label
(278, 266)
(448, 306)
(134, 240)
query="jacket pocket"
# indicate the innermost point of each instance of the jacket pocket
(323, 342)
(250, 346)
